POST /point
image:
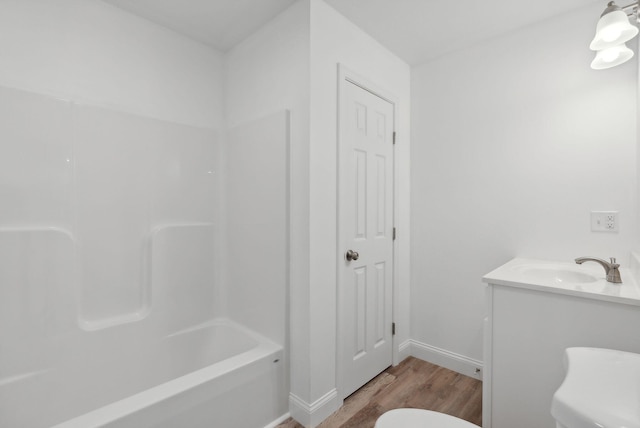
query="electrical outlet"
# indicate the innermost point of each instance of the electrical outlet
(604, 221)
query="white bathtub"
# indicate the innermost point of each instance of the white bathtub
(218, 374)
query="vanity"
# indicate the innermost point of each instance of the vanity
(535, 310)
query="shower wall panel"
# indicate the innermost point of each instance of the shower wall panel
(37, 292)
(36, 155)
(107, 233)
(114, 182)
(133, 176)
(37, 297)
(182, 276)
(257, 208)
(107, 218)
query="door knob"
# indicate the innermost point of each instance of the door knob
(352, 255)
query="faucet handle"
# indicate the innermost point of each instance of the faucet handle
(613, 262)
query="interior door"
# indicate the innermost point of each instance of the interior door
(365, 235)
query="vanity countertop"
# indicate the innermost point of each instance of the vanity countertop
(586, 280)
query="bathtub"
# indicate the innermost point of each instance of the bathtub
(217, 374)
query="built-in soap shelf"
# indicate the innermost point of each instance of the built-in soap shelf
(167, 261)
(40, 291)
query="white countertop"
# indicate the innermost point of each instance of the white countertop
(587, 280)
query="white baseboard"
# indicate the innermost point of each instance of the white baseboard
(278, 421)
(310, 415)
(450, 360)
(404, 350)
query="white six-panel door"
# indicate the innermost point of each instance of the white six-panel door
(365, 218)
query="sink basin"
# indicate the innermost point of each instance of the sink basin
(601, 389)
(557, 275)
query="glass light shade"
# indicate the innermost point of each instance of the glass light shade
(610, 57)
(613, 29)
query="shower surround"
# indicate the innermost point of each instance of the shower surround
(107, 250)
(122, 299)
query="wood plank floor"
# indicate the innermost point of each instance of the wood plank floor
(413, 383)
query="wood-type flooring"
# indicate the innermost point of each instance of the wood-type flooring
(413, 383)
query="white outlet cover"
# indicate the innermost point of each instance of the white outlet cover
(604, 221)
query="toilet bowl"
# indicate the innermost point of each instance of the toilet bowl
(419, 418)
(600, 389)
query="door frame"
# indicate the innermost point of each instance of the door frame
(347, 76)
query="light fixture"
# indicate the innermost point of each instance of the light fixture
(610, 57)
(612, 32)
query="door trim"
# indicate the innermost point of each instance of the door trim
(345, 76)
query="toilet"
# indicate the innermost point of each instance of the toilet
(419, 418)
(600, 389)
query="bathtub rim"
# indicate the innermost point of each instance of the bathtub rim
(118, 410)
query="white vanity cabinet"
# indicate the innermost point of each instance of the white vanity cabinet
(535, 310)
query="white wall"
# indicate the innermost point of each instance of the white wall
(266, 74)
(94, 53)
(515, 141)
(335, 40)
(269, 73)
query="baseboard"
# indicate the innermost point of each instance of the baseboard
(310, 415)
(278, 421)
(450, 360)
(404, 350)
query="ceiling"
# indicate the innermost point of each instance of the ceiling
(219, 23)
(420, 30)
(415, 30)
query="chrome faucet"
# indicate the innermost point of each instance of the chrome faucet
(613, 274)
